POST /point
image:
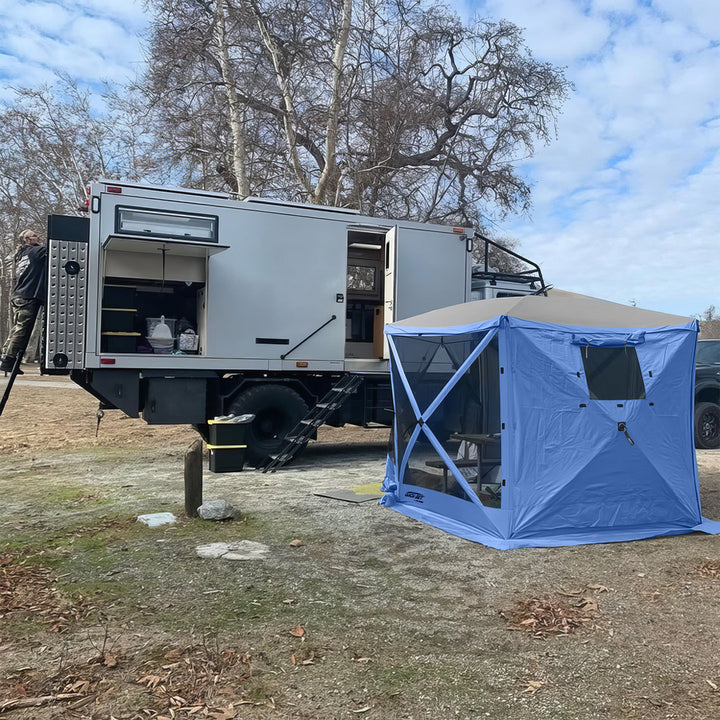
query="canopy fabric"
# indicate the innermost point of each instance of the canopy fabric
(586, 405)
(560, 309)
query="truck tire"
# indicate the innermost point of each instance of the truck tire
(277, 409)
(707, 426)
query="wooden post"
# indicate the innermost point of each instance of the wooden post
(193, 478)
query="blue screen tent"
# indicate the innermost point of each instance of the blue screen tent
(541, 421)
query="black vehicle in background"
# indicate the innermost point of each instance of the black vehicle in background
(707, 395)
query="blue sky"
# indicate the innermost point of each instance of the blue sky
(625, 201)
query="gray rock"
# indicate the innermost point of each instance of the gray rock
(240, 550)
(156, 519)
(216, 510)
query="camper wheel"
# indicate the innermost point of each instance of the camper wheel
(707, 426)
(277, 409)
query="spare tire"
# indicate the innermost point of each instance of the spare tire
(277, 409)
(707, 426)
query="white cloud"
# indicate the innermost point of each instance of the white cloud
(701, 16)
(558, 31)
(90, 40)
(625, 201)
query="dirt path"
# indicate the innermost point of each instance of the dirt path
(369, 615)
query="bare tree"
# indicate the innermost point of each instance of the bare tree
(709, 323)
(54, 141)
(392, 107)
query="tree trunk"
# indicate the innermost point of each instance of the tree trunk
(236, 107)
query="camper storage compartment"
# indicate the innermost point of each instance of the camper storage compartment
(118, 329)
(127, 329)
(161, 405)
(156, 263)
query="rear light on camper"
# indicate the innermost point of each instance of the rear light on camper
(458, 231)
(107, 361)
(113, 189)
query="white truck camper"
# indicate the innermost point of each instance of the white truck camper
(182, 305)
(270, 305)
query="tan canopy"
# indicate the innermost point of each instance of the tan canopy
(560, 308)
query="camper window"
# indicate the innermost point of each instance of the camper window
(613, 373)
(153, 223)
(362, 278)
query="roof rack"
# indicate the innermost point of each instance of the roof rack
(529, 276)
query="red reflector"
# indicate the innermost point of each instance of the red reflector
(302, 363)
(113, 189)
(107, 361)
(459, 231)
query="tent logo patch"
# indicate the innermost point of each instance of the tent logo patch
(415, 496)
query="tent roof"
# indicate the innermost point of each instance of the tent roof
(559, 309)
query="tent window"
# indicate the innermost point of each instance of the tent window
(466, 422)
(613, 373)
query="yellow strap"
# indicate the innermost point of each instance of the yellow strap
(226, 447)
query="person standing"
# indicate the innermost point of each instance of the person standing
(27, 297)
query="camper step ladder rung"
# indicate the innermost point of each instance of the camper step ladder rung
(296, 439)
(313, 423)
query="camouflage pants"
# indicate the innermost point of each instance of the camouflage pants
(24, 313)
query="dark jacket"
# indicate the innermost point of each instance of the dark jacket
(31, 273)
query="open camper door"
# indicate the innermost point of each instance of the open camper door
(432, 269)
(389, 289)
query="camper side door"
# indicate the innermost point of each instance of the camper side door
(432, 270)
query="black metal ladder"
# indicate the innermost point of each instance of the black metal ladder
(16, 367)
(15, 372)
(298, 437)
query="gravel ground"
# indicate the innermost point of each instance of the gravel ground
(356, 611)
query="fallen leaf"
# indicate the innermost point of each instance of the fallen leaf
(363, 710)
(598, 588)
(296, 543)
(222, 713)
(151, 681)
(533, 686)
(81, 686)
(588, 603)
(361, 660)
(298, 631)
(109, 660)
(569, 593)
(293, 661)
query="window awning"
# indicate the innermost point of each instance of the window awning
(154, 245)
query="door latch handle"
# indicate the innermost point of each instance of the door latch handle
(622, 427)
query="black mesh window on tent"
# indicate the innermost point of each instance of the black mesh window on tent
(613, 373)
(465, 423)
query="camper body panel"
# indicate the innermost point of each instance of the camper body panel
(276, 275)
